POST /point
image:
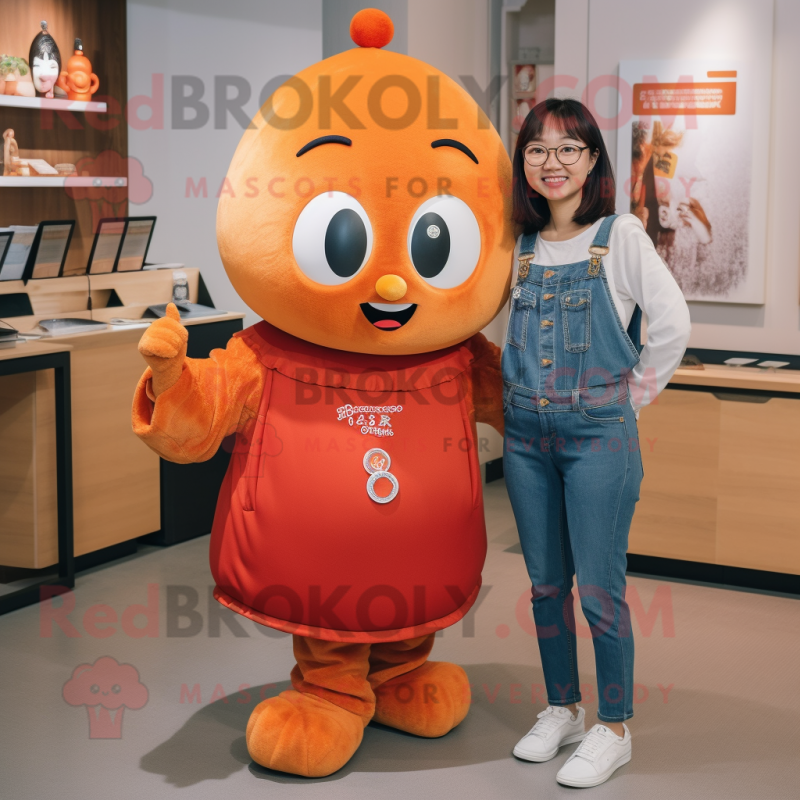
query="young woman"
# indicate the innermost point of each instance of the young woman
(574, 381)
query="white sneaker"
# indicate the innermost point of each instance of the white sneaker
(599, 754)
(556, 726)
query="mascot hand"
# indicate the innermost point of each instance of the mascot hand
(163, 346)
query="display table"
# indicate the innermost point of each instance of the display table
(721, 493)
(24, 501)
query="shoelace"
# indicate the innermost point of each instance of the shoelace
(547, 723)
(591, 746)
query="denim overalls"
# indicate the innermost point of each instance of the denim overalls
(573, 466)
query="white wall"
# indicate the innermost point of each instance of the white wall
(571, 46)
(336, 16)
(255, 39)
(451, 35)
(593, 37)
(454, 36)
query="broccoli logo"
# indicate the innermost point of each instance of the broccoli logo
(106, 688)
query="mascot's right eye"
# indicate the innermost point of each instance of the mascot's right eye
(332, 238)
(94, 688)
(444, 241)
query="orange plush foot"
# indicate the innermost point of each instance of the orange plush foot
(428, 701)
(302, 734)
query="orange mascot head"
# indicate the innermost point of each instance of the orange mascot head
(368, 205)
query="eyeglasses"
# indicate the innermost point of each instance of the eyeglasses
(567, 154)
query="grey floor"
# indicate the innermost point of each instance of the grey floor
(716, 718)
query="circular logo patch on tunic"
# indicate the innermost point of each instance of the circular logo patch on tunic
(377, 460)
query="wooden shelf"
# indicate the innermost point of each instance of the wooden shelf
(56, 104)
(50, 130)
(45, 181)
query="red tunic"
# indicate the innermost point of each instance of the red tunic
(299, 545)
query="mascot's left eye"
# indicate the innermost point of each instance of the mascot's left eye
(444, 241)
(332, 238)
(116, 688)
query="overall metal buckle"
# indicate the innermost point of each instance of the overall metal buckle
(597, 252)
(525, 265)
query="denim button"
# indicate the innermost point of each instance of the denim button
(544, 402)
(517, 292)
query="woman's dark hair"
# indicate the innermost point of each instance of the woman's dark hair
(573, 119)
(44, 47)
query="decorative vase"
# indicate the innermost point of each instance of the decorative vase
(25, 87)
(12, 71)
(78, 80)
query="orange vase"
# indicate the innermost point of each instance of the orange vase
(78, 80)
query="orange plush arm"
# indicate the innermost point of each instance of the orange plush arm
(212, 398)
(487, 382)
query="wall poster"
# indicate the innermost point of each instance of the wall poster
(685, 167)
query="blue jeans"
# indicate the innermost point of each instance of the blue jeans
(573, 477)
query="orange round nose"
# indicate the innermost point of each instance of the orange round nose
(391, 287)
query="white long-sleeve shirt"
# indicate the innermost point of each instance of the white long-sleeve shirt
(636, 274)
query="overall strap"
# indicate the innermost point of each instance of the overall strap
(526, 253)
(604, 232)
(528, 244)
(598, 249)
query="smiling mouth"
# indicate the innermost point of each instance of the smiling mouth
(388, 316)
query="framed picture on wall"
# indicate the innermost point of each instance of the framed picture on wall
(520, 109)
(524, 79)
(685, 167)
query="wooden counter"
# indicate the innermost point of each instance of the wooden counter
(722, 470)
(28, 464)
(33, 347)
(724, 377)
(116, 478)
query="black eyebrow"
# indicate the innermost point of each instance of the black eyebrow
(324, 140)
(458, 146)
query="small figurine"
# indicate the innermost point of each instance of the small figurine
(10, 151)
(78, 81)
(45, 61)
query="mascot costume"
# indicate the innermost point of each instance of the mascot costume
(368, 224)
